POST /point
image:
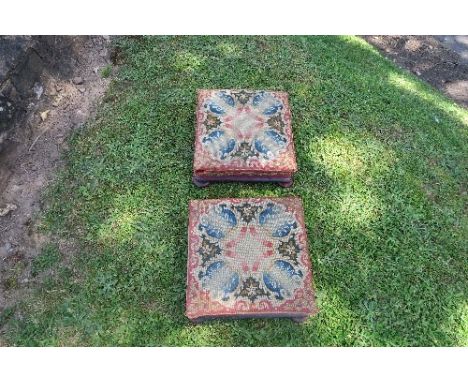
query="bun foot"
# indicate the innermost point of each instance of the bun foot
(200, 183)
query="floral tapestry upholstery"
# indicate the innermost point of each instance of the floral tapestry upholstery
(243, 133)
(248, 258)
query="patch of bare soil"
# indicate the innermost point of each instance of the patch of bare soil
(429, 59)
(31, 160)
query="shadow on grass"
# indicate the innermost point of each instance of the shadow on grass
(381, 176)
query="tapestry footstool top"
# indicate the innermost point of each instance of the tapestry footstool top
(248, 258)
(243, 133)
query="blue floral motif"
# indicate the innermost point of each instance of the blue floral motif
(227, 98)
(257, 98)
(261, 148)
(267, 213)
(230, 286)
(213, 136)
(214, 108)
(273, 109)
(211, 231)
(228, 215)
(278, 138)
(274, 285)
(228, 148)
(284, 229)
(211, 270)
(288, 268)
(219, 279)
(282, 278)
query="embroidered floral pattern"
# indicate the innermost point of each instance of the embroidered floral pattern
(276, 123)
(248, 251)
(247, 211)
(243, 96)
(211, 122)
(208, 250)
(290, 249)
(244, 130)
(252, 290)
(245, 151)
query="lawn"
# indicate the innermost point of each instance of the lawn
(382, 173)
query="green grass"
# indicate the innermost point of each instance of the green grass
(382, 173)
(48, 257)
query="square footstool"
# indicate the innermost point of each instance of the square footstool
(248, 258)
(243, 135)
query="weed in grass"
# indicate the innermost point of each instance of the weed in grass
(106, 71)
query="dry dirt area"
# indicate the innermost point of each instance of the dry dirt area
(438, 63)
(63, 102)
